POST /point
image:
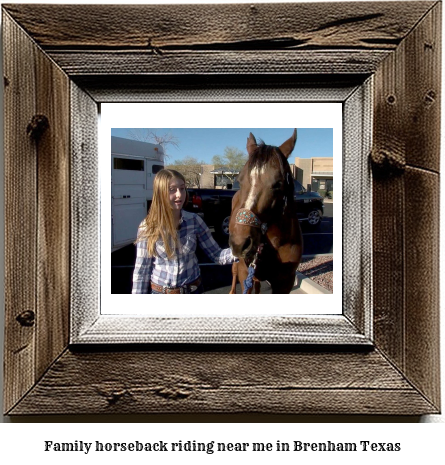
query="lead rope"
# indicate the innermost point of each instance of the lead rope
(248, 282)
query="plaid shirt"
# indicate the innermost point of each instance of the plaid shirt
(183, 267)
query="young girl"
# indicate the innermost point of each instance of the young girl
(166, 262)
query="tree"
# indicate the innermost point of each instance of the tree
(190, 168)
(233, 161)
(149, 135)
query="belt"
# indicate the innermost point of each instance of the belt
(186, 289)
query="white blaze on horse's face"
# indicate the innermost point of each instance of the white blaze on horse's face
(253, 193)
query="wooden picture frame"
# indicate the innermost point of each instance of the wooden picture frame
(57, 71)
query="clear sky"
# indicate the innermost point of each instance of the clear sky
(203, 144)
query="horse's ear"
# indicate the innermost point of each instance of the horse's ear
(288, 146)
(251, 144)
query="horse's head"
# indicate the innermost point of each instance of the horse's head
(266, 186)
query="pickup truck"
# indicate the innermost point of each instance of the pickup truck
(215, 206)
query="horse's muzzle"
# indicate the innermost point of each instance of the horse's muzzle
(243, 248)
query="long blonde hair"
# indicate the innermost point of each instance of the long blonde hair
(159, 223)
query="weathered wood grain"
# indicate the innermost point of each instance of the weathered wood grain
(422, 325)
(421, 204)
(406, 132)
(347, 25)
(356, 216)
(37, 196)
(53, 224)
(388, 197)
(388, 269)
(78, 63)
(423, 92)
(228, 39)
(407, 116)
(20, 214)
(219, 381)
(85, 211)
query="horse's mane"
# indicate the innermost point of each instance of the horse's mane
(262, 155)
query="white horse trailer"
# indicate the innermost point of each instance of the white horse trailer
(134, 165)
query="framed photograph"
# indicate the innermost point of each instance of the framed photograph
(69, 346)
(327, 116)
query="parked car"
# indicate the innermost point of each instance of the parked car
(215, 206)
(310, 206)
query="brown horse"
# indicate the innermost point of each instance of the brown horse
(264, 229)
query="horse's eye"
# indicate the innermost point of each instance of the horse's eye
(277, 185)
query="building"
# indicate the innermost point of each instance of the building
(214, 178)
(316, 174)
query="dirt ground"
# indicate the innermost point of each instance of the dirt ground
(319, 269)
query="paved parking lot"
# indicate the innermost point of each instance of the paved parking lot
(216, 278)
(320, 241)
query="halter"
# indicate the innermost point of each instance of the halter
(248, 218)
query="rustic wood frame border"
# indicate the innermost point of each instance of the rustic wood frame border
(82, 55)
